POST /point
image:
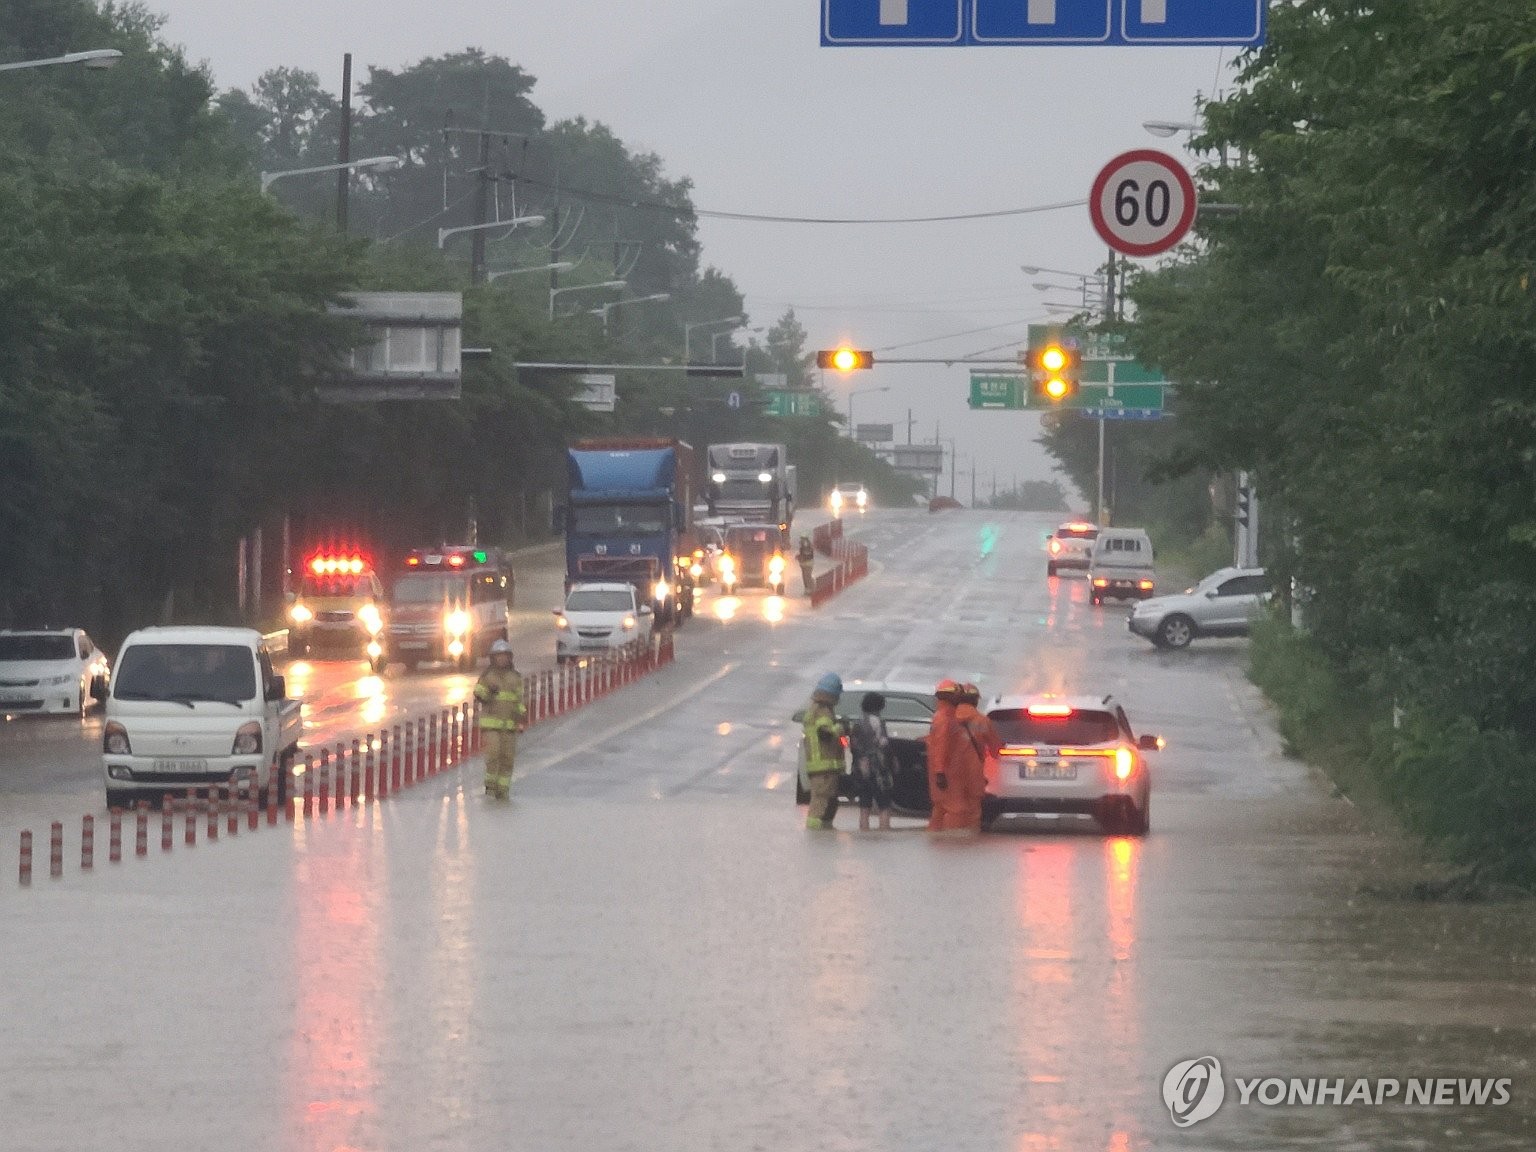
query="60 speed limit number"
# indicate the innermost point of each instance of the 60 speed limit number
(1142, 203)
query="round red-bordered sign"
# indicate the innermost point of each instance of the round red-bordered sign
(1143, 203)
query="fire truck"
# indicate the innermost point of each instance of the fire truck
(449, 605)
(338, 607)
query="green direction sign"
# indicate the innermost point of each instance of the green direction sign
(787, 402)
(998, 390)
(1119, 396)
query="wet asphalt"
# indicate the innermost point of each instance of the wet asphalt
(646, 950)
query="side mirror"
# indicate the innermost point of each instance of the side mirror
(645, 610)
(278, 690)
(99, 689)
(1151, 743)
(559, 611)
(1211, 595)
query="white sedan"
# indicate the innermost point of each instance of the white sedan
(598, 619)
(49, 670)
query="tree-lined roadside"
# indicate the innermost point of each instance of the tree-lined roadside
(1360, 335)
(165, 321)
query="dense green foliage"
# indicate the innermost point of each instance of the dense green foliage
(165, 322)
(1361, 336)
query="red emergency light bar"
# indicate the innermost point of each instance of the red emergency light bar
(353, 565)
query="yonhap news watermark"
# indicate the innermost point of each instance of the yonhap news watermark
(1195, 1089)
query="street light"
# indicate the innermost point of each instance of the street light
(370, 162)
(1166, 128)
(734, 321)
(96, 58)
(603, 309)
(716, 337)
(860, 392)
(553, 292)
(558, 266)
(513, 222)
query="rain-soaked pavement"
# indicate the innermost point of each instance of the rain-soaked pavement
(646, 951)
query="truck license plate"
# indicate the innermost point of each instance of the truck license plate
(411, 645)
(181, 765)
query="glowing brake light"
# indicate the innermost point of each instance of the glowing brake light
(1145, 585)
(1101, 582)
(456, 561)
(1049, 710)
(1055, 544)
(413, 561)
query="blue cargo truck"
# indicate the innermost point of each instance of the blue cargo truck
(628, 516)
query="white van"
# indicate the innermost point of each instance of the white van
(196, 708)
(1121, 567)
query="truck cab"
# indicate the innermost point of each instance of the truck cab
(448, 605)
(196, 708)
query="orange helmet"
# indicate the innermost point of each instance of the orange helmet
(970, 692)
(947, 689)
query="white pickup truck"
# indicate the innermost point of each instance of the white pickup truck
(193, 707)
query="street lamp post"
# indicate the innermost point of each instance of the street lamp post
(557, 266)
(512, 222)
(267, 178)
(852, 431)
(553, 292)
(96, 58)
(688, 328)
(716, 337)
(603, 309)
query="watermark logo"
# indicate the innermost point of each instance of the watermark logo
(1193, 1090)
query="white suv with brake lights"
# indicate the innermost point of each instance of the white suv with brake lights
(600, 618)
(1070, 546)
(1069, 755)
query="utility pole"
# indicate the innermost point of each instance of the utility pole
(554, 270)
(909, 425)
(482, 206)
(344, 150)
(1111, 315)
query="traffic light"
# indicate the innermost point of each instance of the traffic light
(1055, 366)
(845, 359)
(1244, 505)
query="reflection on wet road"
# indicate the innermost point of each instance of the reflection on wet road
(646, 950)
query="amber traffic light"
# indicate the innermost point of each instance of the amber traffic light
(845, 359)
(1054, 369)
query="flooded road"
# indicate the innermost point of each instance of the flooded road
(646, 949)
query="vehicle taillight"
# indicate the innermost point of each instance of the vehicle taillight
(1049, 710)
(1125, 763)
(455, 561)
(1101, 582)
(1145, 585)
(1055, 545)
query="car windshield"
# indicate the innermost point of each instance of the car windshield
(751, 537)
(348, 586)
(428, 588)
(36, 647)
(618, 519)
(1078, 727)
(186, 672)
(600, 600)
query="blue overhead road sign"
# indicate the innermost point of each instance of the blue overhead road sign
(1238, 23)
(892, 21)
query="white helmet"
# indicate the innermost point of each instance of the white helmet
(501, 646)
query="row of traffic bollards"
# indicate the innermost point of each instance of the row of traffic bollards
(350, 774)
(852, 563)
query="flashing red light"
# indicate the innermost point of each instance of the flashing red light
(324, 565)
(413, 561)
(1101, 583)
(1049, 709)
(456, 561)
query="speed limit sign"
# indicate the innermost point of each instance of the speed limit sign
(1142, 203)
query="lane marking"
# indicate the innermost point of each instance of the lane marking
(632, 723)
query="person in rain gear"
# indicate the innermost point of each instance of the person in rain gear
(974, 743)
(823, 751)
(806, 554)
(502, 716)
(872, 770)
(941, 734)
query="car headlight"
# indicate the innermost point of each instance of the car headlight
(727, 565)
(300, 614)
(718, 477)
(776, 566)
(369, 615)
(115, 740)
(247, 740)
(862, 497)
(629, 623)
(837, 498)
(765, 477)
(662, 590)
(561, 623)
(456, 622)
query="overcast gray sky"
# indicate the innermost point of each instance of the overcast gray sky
(739, 95)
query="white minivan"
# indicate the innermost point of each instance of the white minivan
(196, 707)
(1121, 567)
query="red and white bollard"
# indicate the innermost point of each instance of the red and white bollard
(167, 822)
(140, 835)
(355, 784)
(443, 760)
(309, 785)
(432, 764)
(369, 765)
(396, 761)
(115, 835)
(56, 850)
(24, 869)
(408, 755)
(189, 806)
(212, 809)
(87, 842)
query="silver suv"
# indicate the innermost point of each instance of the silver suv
(1223, 604)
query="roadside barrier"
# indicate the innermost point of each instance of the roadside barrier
(852, 563)
(375, 767)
